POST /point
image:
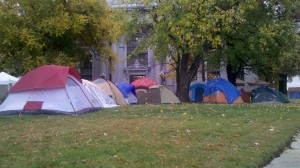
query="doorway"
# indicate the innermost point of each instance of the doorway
(135, 77)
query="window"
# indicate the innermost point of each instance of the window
(142, 57)
(135, 77)
(241, 75)
(86, 69)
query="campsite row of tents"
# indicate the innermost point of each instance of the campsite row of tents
(54, 89)
(219, 90)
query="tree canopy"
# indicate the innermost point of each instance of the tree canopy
(39, 32)
(266, 41)
(184, 31)
(241, 34)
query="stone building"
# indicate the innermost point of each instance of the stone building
(144, 65)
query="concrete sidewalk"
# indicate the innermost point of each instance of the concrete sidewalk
(290, 158)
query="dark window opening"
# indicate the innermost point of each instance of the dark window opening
(135, 77)
(86, 69)
(141, 57)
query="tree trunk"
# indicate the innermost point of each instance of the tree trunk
(231, 75)
(203, 71)
(184, 75)
(283, 83)
(182, 78)
(183, 85)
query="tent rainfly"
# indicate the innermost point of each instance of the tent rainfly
(128, 91)
(143, 83)
(49, 89)
(219, 90)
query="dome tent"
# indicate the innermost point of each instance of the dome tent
(219, 90)
(267, 95)
(128, 91)
(294, 92)
(157, 94)
(99, 95)
(111, 90)
(6, 82)
(49, 89)
(196, 91)
(143, 83)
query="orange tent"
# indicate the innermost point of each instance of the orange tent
(219, 97)
(219, 90)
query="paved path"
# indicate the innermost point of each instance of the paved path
(290, 158)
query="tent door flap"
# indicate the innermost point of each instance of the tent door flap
(33, 105)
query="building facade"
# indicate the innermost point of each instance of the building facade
(143, 65)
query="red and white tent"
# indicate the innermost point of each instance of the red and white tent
(50, 89)
(143, 83)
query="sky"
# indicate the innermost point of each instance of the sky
(295, 82)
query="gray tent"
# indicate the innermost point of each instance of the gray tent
(156, 94)
(6, 81)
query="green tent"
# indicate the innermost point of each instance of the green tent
(267, 95)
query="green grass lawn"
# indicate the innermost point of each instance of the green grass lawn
(186, 135)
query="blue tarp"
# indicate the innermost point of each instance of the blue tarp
(294, 95)
(126, 88)
(197, 90)
(230, 91)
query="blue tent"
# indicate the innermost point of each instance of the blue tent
(294, 95)
(266, 94)
(128, 91)
(218, 84)
(196, 92)
(294, 92)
